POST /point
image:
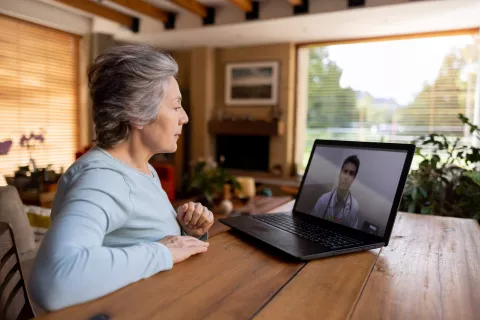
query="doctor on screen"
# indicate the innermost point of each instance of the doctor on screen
(339, 205)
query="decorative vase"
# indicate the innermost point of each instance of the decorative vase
(224, 208)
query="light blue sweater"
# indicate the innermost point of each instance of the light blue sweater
(106, 219)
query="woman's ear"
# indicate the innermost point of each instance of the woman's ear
(138, 127)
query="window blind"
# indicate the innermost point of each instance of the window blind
(38, 94)
(391, 90)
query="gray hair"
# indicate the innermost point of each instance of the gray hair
(127, 84)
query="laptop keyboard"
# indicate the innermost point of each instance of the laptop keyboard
(308, 231)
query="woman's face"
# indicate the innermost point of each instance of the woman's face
(161, 135)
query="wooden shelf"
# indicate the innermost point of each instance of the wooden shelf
(247, 128)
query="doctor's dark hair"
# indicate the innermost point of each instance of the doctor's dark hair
(353, 160)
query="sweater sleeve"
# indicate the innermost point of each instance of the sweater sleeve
(203, 237)
(72, 265)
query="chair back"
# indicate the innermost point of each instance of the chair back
(14, 301)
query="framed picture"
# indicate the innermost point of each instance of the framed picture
(252, 83)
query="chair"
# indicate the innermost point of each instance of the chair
(14, 301)
(166, 175)
(12, 211)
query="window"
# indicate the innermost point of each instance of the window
(38, 94)
(390, 90)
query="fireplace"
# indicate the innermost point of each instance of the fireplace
(244, 152)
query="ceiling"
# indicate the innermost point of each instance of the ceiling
(414, 17)
(168, 5)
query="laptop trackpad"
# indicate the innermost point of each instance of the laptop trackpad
(281, 239)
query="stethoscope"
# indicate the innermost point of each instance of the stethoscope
(347, 206)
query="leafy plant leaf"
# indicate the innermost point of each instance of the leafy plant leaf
(426, 210)
(414, 193)
(411, 207)
(423, 192)
(474, 175)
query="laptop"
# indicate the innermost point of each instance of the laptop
(347, 201)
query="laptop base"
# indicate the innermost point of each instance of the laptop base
(289, 243)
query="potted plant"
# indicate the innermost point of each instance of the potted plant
(209, 179)
(447, 185)
(30, 143)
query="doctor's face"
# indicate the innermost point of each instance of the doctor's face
(347, 175)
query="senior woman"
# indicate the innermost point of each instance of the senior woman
(111, 222)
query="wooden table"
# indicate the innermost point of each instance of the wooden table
(430, 270)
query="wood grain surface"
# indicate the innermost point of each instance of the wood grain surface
(430, 270)
(324, 289)
(233, 279)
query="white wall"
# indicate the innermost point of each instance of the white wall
(45, 14)
(374, 187)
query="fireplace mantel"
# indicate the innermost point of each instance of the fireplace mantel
(247, 127)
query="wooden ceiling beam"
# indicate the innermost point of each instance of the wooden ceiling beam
(299, 6)
(245, 5)
(102, 11)
(192, 6)
(143, 7)
(295, 2)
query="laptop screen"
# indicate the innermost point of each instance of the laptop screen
(355, 187)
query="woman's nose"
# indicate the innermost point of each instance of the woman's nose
(184, 119)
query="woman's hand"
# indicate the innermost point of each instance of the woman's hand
(194, 218)
(182, 247)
